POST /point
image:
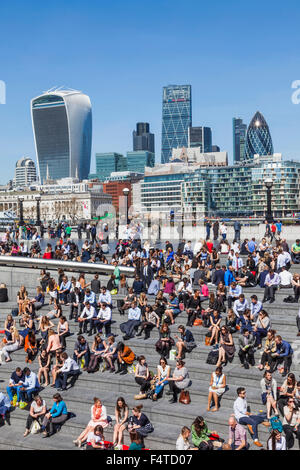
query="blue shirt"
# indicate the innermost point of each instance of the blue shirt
(228, 277)
(59, 409)
(251, 246)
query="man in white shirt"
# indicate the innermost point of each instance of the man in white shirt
(281, 260)
(255, 307)
(134, 321)
(30, 385)
(271, 283)
(237, 263)
(102, 319)
(105, 296)
(240, 305)
(70, 368)
(242, 416)
(285, 278)
(235, 291)
(87, 313)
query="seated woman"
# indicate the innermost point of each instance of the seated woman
(200, 432)
(59, 362)
(22, 298)
(287, 390)
(217, 387)
(276, 441)
(98, 418)
(126, 303)
(165, 342)
(193, 308)
(37, 412)
(53, 342)
(57, 415)
(227, 348)
(110, 354)
(163, 374)
(183, 442)
(30, 347)
(179, 381)
(125, 358)
(37, 302)
(98, 349)
(230, 321)
(172, 309)
(63, 331)
(121, 415)
(56, 312)
(151, 320)
(185, 343)
(261, 327)
(8, 324)
(205, 313)
(44, 326)
(95, 439)
(221, 296)
(142, 376)
(269, 393)
(44, 363)
(269, 350)
(14, 344)
(140, 423)
(215, 321)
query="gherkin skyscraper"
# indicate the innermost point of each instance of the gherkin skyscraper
(258, 140)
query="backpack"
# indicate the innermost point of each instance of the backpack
(289, 299)
(212, 357)
(275, 424)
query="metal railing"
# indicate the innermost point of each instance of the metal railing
(37, 263)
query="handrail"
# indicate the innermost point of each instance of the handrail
(38, 263)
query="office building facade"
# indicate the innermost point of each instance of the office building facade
(106, 163)
(143, 139)
(25, 172)
(258, 139)
(62, 128)
(176, 118)
(200, 137)
(137, 161)
(239, 131)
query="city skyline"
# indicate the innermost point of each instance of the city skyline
(125, 86)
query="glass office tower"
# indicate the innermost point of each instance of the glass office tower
(143, 139)
(137, 161)
(258, 140)
(62, 128)
(239, 130)
(107, 163)
(176, 118)
(200, 137)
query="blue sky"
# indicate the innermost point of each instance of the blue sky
(239, 57)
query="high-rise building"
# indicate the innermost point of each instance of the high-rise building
(200, 137)
(142, 138)
(25, 172)
(239, 130)
(137, 161)
(258, 139)
(176, 118)
(106, 163)
(62, 128)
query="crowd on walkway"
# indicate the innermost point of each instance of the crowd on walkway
(190, 287)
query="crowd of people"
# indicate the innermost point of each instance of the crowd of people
(200, 285)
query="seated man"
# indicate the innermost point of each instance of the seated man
(76, 298)
(172, 309)
(105, 296)
(271, 283)
(90, 297)
(237, 435)
(70, 368)
(240, 305)
(15, 383)
(102, 319)
(255, 307)
(81, 350)
(285, 278)
(4, 405)
(247, 278)
(64, 290)
(30, 385)
(134, 321)
(87, 314)
(246, 351)
(283, 354)
(295, 252)
(234, 292)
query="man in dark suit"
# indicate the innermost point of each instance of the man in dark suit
(218, 274)
(146, 274)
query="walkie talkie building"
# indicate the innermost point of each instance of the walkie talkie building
(62, 128)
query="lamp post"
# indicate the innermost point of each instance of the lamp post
(269, 183)
(38, 210)
(21, 217)
(126, 193)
